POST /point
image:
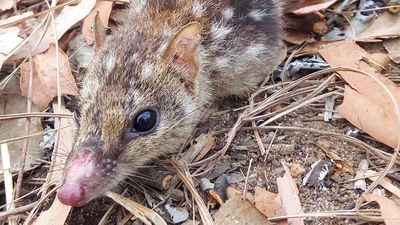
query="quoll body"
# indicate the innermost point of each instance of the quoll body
(151, 82)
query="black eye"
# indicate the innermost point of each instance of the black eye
(145, 121)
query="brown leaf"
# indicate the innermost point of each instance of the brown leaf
(239, 211)
(289, 195)
(44, 77)
(386, 25)
(6, 4)
(393, 47)
(390, 210)
(314, 8)
(68, 17)
(341, 166)
(366, 105)
(268, 203)
(370, 116)
(296, 170)
(10, 104)
(103, 9)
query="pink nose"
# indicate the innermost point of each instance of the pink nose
(73, 195)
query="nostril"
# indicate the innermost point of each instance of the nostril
(72, 195)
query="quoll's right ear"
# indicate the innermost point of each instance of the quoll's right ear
(183, 52)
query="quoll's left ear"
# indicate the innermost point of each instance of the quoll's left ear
(183, 51)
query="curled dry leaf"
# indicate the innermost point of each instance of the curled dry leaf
(314, 8)
(103, 10)
(390, 210)
(68, 17)
(340, 165)
(44, 77)
(366, 104)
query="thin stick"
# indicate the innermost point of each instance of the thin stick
(32, 115)
(26, 129)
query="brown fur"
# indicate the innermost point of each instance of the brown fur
(241, 44)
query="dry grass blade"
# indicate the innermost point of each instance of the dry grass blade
(374, 151)
(33, 114)
(329, 214)
(16, 211)
(138, 210)
(204, 214)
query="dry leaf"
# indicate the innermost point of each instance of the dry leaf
(138, 210)
(387, 25)
(296, 170)
(239, 211)
(386, 183)
(103, 9)
(340, 166)
(10, 104)
(296, 37)
(268, 203)
(6, 4)
(205, 142)
(380, 61)
(368, 106)
(289, 195)
(390, 210)
(57, 214)
(313, 8)
(9, 40)
(370, 116)
(68, 17)
(44, 77)
(393, 47)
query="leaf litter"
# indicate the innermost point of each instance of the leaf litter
(294, 105)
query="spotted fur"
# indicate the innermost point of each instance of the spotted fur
(241, 44)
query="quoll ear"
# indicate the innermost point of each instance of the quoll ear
(183, 52)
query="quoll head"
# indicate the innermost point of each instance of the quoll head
(139, 100)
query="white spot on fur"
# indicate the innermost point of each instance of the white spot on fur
(257, 14)
(256, 49)
(222, 62)
(110, 64)
(219, 31)
(227, 13)
(147, 70)
(168, 31)
(137, 6)
(197, 9)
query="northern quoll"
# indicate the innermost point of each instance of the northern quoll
(151, 81)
